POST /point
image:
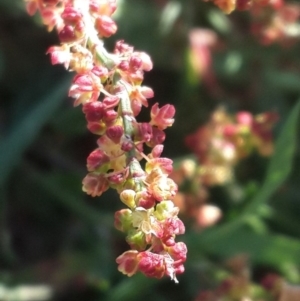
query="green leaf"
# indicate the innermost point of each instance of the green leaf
(267, 249)
(169, 15)
(132, 288)
(60, 194)
(281, 162)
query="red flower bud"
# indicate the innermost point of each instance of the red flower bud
(145, 200)
(106, 26)
(147, 64)
(128, 262)
(158, 137)
(157, 150)
(151, 264)
(110, 116)
(178, 252)
(96, 159)
(101, 72)
(126, 144)
(124, 66)
(97, 128)
(67, 34)
(94, 184)
(115, 133)
(135, 63)
(94, 111)
(164, 164)
(143, 132)
(71, 14)
(111, 101)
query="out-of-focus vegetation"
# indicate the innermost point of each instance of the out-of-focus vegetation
(56, 243)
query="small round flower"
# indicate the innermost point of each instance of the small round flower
(96, 160)
(115, 133)
(67, 34)
(60, 55)
(151, 264)
(94, 184)
(85, 88)
(128, 262)
(94, 111)
(71, 15)
(162, 117)
(106, 26)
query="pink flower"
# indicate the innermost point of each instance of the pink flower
(138, 97)
(71, 15)
(60, 55)
(106, 26)
(151, 264)
(163, 188)
(162, 117)
(115, 133)
(94, 184)
(94, 111)
(96, 159)
(86, 87)
(51, 17)
(128, 262)
(164, 164)
(158, 137)
(147, 64)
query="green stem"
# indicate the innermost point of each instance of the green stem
(128, 119)
(110, 61)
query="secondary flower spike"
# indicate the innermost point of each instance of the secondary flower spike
(109, 88)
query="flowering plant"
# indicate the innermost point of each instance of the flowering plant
(109, 88)
(230, 76)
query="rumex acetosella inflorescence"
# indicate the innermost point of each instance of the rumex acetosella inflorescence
(109, 88)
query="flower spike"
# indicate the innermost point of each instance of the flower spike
(109, 88)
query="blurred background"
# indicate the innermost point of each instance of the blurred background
(56, 243)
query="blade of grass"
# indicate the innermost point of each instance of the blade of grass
(275, 250)
(131, 288)
(68, 200)
(13, 146)
(281, 162)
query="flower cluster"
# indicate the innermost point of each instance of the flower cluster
(219, 146)
(109, 88)
(277, 22)
(238, 285)
(227, 139)
(272, 20)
